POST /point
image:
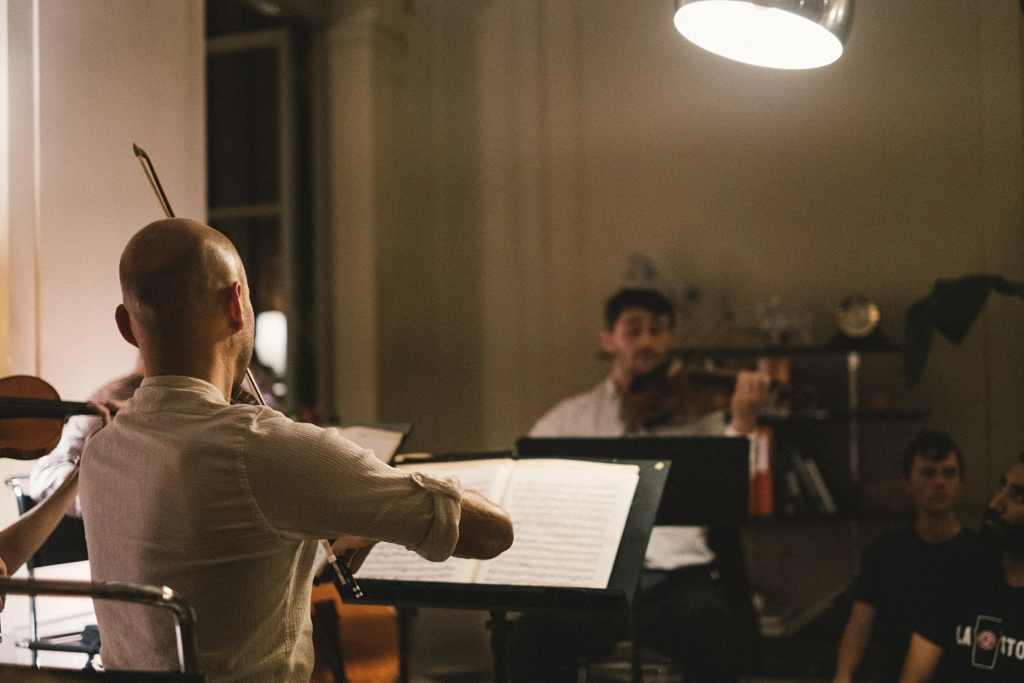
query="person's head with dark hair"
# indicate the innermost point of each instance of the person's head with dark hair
(1003, 521)
(932, 445)
(645, 299)
(638, 332)
(933, 469)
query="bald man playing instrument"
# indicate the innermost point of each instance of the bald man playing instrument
(225, 503)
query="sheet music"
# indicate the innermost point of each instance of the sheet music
(393, 562)
(568, 518)
(390, 561)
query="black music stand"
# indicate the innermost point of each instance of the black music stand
(499, 600)
(708, 485)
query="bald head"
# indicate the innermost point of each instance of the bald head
(178, 281)
(170, 261)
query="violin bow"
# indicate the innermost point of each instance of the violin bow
(158, 189)
(154, 181)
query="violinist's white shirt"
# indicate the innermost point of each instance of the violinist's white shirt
(225, 504)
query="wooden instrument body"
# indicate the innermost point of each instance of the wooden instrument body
(671, 391)
(32, 417)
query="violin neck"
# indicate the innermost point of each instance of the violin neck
(11, 407)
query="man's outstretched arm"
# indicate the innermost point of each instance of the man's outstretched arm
(922, 660)
(22, 539)
(854, 641)
(485, 531)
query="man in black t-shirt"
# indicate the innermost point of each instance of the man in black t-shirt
(902, 570)
(976, 628)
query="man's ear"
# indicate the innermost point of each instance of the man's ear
(124, 325)
(236, 311)
(606, 341)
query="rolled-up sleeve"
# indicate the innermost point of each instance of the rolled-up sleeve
(308, 483)
(439, 543)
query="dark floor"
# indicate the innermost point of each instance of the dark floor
(810, 653)
(807, 656)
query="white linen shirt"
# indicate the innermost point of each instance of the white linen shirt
(225, 505)
(598, 413)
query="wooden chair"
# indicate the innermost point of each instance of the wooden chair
(353, 643)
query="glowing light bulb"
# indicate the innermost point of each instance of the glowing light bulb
(763, 35)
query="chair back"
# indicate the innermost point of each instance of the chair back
(27, 674)
(155, 596)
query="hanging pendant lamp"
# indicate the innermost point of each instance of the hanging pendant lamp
(782, 34)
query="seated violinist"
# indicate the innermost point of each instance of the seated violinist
(223, 502)
(21, 540)
(680, 610)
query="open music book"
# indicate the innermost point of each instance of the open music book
(383, 442)
(568, 517)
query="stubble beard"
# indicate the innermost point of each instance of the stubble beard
(643, 363)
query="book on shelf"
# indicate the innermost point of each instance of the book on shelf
(827, 502)
(800, 487)
(790, 497)
(568, 518)
(794, 502)
(762, 498)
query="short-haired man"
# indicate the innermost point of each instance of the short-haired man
(903, 571)
(975, 628)
(224, 503)
(639, 330)
(681, 611)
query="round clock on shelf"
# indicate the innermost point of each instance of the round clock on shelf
(857, 316)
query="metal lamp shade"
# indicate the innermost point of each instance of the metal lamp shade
(782, 34)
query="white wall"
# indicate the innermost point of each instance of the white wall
(100, 75)
(111, 73)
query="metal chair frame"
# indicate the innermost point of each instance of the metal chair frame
(61, 642)
(162, 597)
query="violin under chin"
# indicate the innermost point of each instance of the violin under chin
(670, 393)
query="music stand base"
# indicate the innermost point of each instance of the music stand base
(500, 626)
